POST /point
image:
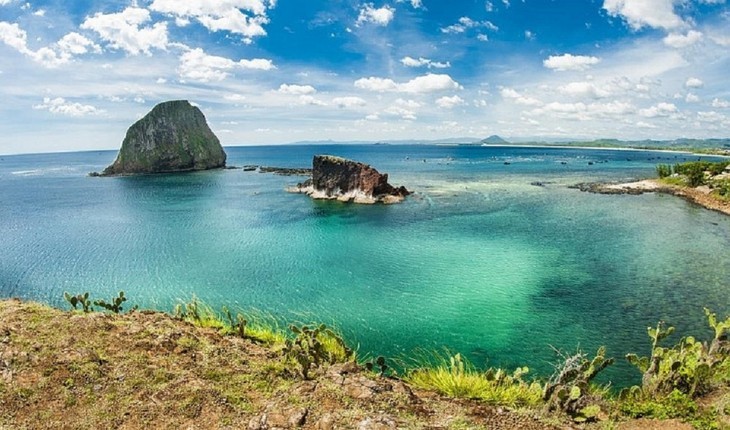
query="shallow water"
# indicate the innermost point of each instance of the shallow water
(479, 260)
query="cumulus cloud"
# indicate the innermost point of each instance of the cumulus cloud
(659, 110)
(678, 40)
(380, 16)
(645, 13)
(244, 17)
(348, 102)
(691, 98)
(311, 100)
(297, 89)
(584, 89)
(51, 56)
(198, 66)
(424, 62)
(720, 103)
(466, 23)
(122, 30)
(694, 83)
(421, 84)
(416, 4)
(60, 106)
(449, 102)
(565, 62)
(401, 112)
(511, 94)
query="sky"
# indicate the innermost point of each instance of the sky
(74, 75)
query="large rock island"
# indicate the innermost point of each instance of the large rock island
(349, 181)
(173, 137)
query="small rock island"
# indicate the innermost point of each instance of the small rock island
(336, 178)
(173, 137)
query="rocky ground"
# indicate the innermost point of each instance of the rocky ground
(700, 195)
(62, 370)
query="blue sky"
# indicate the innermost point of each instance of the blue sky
(75, 75)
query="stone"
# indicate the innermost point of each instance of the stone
(336, 178)
(173, 137)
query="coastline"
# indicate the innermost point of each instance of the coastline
(699, 196)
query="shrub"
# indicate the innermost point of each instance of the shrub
(663, 170)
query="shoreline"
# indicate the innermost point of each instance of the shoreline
(699, 196)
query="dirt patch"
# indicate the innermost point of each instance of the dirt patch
(63, 370)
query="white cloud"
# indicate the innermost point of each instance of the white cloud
(511, 94)
(76, 44)
(401, 112)
(244, 17)
(62, 107)
(466, 23)
(376, 84)
(421, 62)
(5, 2)
(429, 83)
(645, 13)
(721, 40)
(694, 83)
(691, 98)
(234, 98)
(310, 100)
(198, 66)
(257, 64)
(711, 117)
(348, 102)
(122, 30)
(659, 110)
(381, 16)
(678, 40)
(297, 89)
(567, 62)
(40, 12)
(416, 4)
(584, 89)
(449, 102)
(421, 84)
(720, 103)
(50, 56)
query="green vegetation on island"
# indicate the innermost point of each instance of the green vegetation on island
(211, 369)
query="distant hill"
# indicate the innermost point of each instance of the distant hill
(493, 140)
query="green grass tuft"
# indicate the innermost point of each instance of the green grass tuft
(455, 376)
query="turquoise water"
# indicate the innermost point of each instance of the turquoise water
(479, 260)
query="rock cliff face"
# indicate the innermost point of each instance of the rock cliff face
(173, 137)
(347, 180)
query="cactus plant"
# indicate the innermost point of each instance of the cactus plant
(115, 305)
(79, 299)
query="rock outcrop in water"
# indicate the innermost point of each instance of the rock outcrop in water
(173, 137)
(349, 181)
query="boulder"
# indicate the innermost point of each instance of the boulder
(173, 137)
(349, 181)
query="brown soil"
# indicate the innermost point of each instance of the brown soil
(62, 370)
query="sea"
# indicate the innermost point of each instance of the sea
(494, 256)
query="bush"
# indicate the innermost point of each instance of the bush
(663, 170)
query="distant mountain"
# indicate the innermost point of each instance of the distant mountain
(493, 140)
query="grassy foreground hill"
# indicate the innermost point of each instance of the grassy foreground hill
(148, 369)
